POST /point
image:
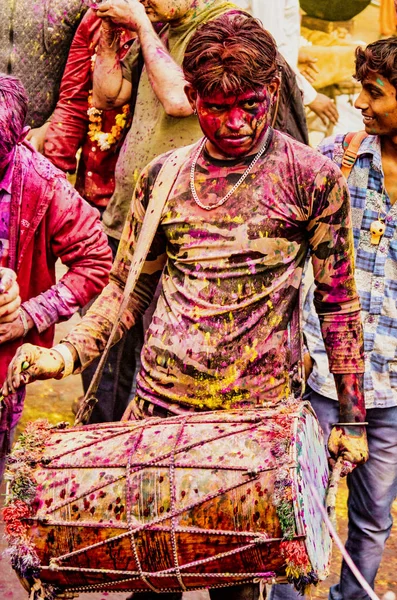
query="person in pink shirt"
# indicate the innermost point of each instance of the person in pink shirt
(42, 218)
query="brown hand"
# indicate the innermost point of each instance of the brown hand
(15, 329)
(325, 108)
(129, 14)
(10, 300)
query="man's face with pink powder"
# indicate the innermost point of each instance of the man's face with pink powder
(235, 124)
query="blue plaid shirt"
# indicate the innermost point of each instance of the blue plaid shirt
(376, 277)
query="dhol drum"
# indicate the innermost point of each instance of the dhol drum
(194, 501)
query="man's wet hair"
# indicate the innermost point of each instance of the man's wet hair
(230, 54)
(379, 58)
(13, 111)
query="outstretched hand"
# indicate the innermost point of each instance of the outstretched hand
(325, 108)
(43, 363)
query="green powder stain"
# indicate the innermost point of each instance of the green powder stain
(380, 82)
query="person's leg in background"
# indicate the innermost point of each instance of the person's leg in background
(10, 414)
(372, 490)
(117, 382)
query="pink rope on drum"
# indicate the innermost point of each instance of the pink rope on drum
(141, 467)
(108, 584)
(270, 575)
(357, 574)
(173, 501)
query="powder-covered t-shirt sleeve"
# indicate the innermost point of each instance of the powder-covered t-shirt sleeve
(336, 298)
(89, 337)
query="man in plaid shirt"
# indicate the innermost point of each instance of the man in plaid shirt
(373, 188)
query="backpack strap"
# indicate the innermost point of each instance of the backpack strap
(151, 221)
(351, 146)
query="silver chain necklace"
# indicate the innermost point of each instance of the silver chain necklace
(261, 151)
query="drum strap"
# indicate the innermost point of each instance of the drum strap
(160, 192)
(351, 144)
(297, 375)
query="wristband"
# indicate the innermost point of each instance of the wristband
(68, 360)
(349, 424)
(25, 324)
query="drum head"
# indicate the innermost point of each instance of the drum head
(312, 469)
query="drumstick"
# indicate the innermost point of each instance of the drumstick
(333, 490)
(25, 365)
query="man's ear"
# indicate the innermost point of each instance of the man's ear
(274, 87)
(191, 94)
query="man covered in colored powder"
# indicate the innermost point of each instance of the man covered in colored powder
(163, 117)
(373, 189)
(163, 120)
(42, 218)
(245, 208)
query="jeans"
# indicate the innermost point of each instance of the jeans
(116, 387)
(372, 490)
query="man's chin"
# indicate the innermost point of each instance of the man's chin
(236, 147)
(370, 126)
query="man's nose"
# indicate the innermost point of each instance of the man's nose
(235, 120)
(361, 102)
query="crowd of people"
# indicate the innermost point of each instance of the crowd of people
(247, 206)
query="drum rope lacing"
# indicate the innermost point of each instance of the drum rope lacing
(143, 465)
(254, 423)
(173, 503)
(172, 572)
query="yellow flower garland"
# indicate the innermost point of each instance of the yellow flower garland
(95, 133)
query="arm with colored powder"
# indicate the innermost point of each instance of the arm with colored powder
(338, 307)
(88, 339)
(75, 236)
(165, 76)
(110, 88)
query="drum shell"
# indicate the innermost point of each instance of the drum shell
(186, 501)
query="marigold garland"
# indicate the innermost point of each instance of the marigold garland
(95, 133)
(20, 506)
(298, 569)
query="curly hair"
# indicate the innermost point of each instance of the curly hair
(379, 57)
(13, 110)
(230, 54)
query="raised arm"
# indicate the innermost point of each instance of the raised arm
(69, 123)
(165, 76)
(110, 88)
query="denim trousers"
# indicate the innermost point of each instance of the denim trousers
(372, 490)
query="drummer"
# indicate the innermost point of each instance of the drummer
(246, 207)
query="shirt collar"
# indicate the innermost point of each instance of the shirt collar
(371, 145)
(6, 180)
